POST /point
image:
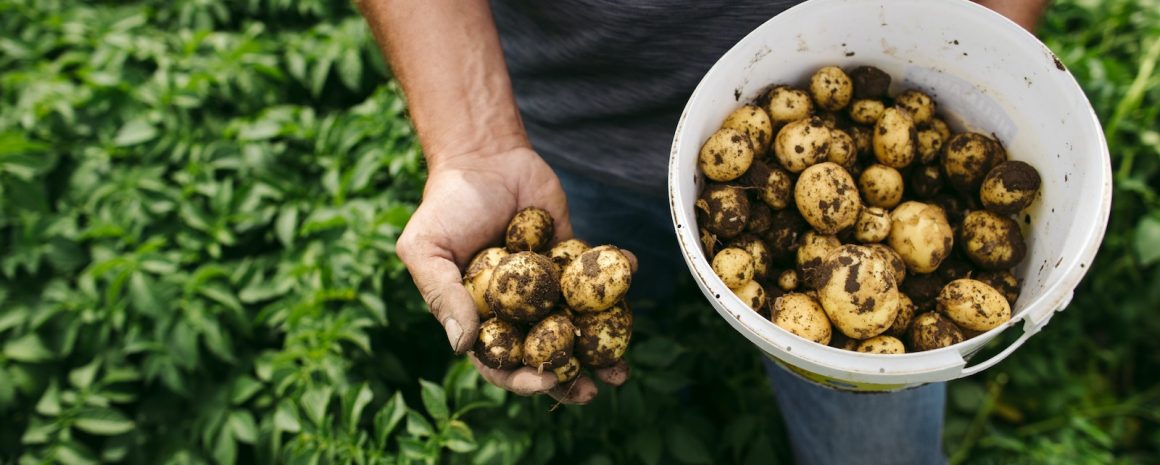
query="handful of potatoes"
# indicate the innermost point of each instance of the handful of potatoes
(860, 220)
(558, 308)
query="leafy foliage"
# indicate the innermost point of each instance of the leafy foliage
(198, 207)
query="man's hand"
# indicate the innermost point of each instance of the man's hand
(1025, 13)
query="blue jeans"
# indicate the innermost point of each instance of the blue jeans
(825, 426)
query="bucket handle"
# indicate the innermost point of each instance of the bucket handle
(1031, 325)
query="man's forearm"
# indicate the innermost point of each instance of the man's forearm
(1024, 12)
(447, 56)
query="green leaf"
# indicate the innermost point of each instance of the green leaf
(686, 447)
(359, 398)
(647, 444)
(287, 225)
(102, 422)
(49, 404)
(350, 69)
(141, 294)
(286, 418)
(28, 348)
(39, 431)
(417, 425)
(434, 400)
(243, 389)
(314, 403)
(657, 352)
(459, 437)
(242, 423)
(135, 132)
(1148, 240)
(75, 453)
(225, 449)
(260, 130)
(388, 418)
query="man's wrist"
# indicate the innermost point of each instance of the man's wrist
(496, 144)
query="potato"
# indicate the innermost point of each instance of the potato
(920, 106)
(563, 253)
(524, 287)
(940, 127)
(548, 344)
(870, 82)
(603, 336)
(752, 294)
(754, 122)
(991, 241)
(866, 111)
(931, 331)
(831, 88)
(897, 266)
(782, 236)
(726, 155)
(803, 316)
(760, 218)
(842, 149)
(725, 210)
(840, 341)
(597, 279)
(734, 266)
(873, 225)
(973, 305)
(894, 138)
(762, 259)
(788, 104)
(881, 186)
(923, 290)
(906, 310)
(1004, 282)
(708, 242)
(966, 159)
(500, 344)
(788, 280)
(478, 275)
(775, 184)
(955, 268)
(827, 198)
(926, 181)
(1010, 187)
(812, 253)
(801, 144)
(882, 344)
(829, 119)
(568, 371)
(930, 143)
(531, 229)
(858, 291)
(920, 233)
(863, 139)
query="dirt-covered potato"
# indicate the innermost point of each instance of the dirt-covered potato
(931, 331)
(726, 155)
(858, 291)
(734, 266)
(973, 305)
(803, 316)
(752, 294)
(754, 122)
(1004, 282)
(762, 259)
(897, 265)
(920, 233)
(926, 181)
(992, 241)
(827, 198)
(941, 127)
(1009, 187)
(966, 159)
(563, 253)
(568, 371)
(708, 243)
(802, 143)
(930, 144)
(923, 290)
(906, 310)
(548, 344)
(788, 104)
(863, 139)
(894, 138)
(920, 106)
(866, 111)
(500, 344)
(775, 184)
(873, 225)
(597, 279)
(831, 88)
(724, 210)
(870, 82)
(842, 149)
(524, 287)
(760, 218)
(782, 236)
(603, 336)
(788, 280)
(812, 253)
(881, 344)
(478, 275)
(881, 186)
(955, 268)
(531, 229)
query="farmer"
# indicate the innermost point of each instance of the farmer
(570, 105)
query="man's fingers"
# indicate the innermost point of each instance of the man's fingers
(631, 259)
(523, 381)
(614, 375)
(438, 280)
(578, 391)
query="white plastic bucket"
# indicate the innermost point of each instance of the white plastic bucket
(996, 78)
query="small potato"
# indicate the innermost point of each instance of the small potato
(812, 253)
(941, 127)
(752, 294)
(803, 316)
(597, 279)
(762, 259)
(1004, 282)
(858, 291)
(882, 344)
(873, 225)
(563, 253)
(524, 287)
(897, 266)
(920, 106)
(801, 144)
(930, 144)
(870, 82)
(831, 88)
(548, 344)
(782, 236)
(966, 159)
(863, 139)
(906, 310)
(568, 371)
(992, 241)
(604, 336)
(788, 280)
(931, 331)
(881, 186)
(775, 184)
(894, 138)
(723, 210)
(973, 305)
(866, 111)
(531, 229)
(754, 122)
(926, 181)
(840, 341)
(478, 275)
(842, 149)
(760, 218)
(1009, 187)
(923, 290)
(726, 155)
(920, 233)
(500, 344)
(788, 104)
(827, 198)
(734, 266)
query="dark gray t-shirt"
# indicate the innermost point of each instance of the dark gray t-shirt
(601, 83)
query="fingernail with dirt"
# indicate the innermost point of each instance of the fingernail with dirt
(454, 333)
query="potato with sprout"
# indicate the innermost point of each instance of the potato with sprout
(478, 276)
(530, 230)
(726, 155)
(894, 138)
(827, 198)
(831, 88)
(992, 241)
(858, 291)
(597, 279)
(801, 144)
(803, 316)
(524, 287)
